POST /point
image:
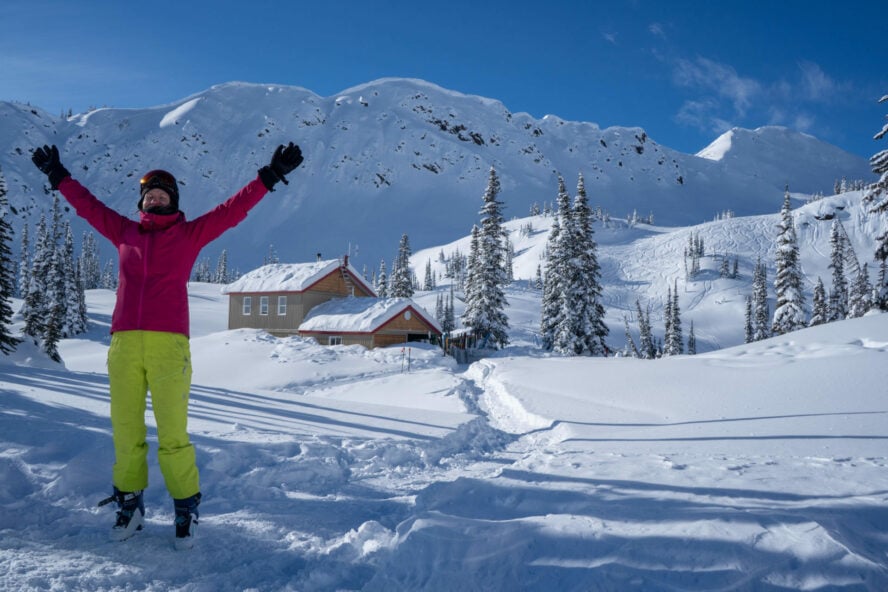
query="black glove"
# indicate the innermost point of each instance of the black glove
(283, 162)
(47, 160)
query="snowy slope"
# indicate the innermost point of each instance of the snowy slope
(758, 467)
(641, 262)
(394, 156)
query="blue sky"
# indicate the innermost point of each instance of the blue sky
(683, 70)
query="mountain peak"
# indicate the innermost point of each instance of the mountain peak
(399, 155)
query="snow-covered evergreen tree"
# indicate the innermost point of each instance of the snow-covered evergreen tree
(667, 323)
(221, 275)
(201, 271)
(486, 302)
(860, 295)
(88, 262)
(646, 348)
(789, 311)
(109, 276)
(579, 327)
(381, 287)
(53, 297)
(590, 330)
(8, 341)
(820, 306)
(554, 324)
(550, 306)
(34, 309)
(72, 297)
(428, 283)
(24, 273)
(877, 195)
(449, 323)
(401, 283)
(879, 296)
(692, 341)
(761, 314)
(748, 327)
(630, 350)
(838, 295)
(724, 270)
(673, 340)
(52, 331)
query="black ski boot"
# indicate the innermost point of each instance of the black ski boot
(186, 521)
(130, 513)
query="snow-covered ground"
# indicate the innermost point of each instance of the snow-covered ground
(755, 467)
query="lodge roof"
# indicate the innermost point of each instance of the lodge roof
(290, 277)
(362, 315)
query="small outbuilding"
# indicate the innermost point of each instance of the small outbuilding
(371, 322)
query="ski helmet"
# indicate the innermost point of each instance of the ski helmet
(161, 180)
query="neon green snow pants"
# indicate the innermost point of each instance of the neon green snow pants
(139, 361)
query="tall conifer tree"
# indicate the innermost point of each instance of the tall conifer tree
(820, 307)
(789, 311)
(877, 196)
(838, 295)
(402, 276)
(8, 341)
(486, 300)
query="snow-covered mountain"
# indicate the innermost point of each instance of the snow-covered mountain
(399, 156)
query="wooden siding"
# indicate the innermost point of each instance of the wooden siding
(333, 285)
(400, 324)
(272, 322)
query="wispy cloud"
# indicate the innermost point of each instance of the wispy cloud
(610, 37)
(723, 80)
(704, 115)
(816, 85)
(657, 30)
(721, 98)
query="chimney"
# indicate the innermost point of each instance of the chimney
(319, 257)
(345, 262)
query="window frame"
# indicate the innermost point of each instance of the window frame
(263, 306)
(282, 306)
(247, 306)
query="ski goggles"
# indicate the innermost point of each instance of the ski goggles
(157, 178)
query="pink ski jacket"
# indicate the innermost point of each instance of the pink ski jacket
(157, 254)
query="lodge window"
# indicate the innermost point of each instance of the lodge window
(282, 305)
(248, 305)
(334, 340)
(263, 305)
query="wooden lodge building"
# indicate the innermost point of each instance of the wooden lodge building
(327, 300)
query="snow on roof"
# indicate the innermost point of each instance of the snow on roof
(361, 315)
(288, 277)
